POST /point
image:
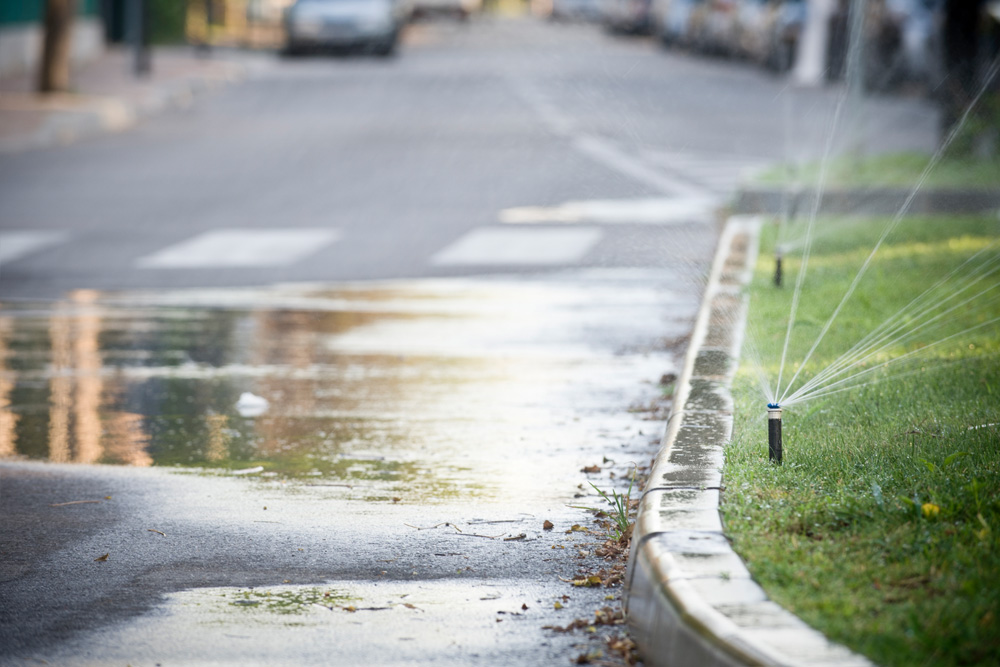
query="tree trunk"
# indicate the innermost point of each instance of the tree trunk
(54, 73)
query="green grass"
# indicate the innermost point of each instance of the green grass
(892, 170)
(882, 528)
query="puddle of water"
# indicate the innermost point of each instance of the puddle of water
(427, 388)
(447, 622)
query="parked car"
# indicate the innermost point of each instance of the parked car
(752, 28)
(576, 10)
(460, 9)
(784, 35)
(713, 27)
(670, 20)
(366, 24)
(628, 16)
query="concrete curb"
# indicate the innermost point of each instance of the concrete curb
(870, 201)
(74, 117)
(690, 599)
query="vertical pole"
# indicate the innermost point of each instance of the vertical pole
(205, 47)
(139, 37)
(774, 433)
(777, 267)
(855, 73)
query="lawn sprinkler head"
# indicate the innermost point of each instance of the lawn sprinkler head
(774, 432)
(777, 266)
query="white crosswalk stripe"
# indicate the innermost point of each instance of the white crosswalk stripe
(537, 246)
(232, 248)
(15, 244)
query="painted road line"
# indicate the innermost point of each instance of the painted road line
(611, 156)
(17, 244)
(643, 211)
(224, 248)
(532, 246)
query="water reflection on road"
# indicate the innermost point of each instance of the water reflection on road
(425, 390)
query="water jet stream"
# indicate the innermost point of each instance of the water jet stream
(893, 223)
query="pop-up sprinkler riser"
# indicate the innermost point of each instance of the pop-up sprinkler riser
(777, 267)
(774, 432)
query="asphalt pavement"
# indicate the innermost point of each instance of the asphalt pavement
(297, 373)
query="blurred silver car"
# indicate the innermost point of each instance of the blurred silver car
(671, 20)
(371, 25)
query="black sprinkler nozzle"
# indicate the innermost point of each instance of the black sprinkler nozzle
(774, 432)
(777, 268)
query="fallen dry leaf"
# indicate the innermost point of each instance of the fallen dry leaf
(103, 558)
(590, 469)
(592, 580)
(548, 525)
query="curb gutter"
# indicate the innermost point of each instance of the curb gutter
(690, 599)
(866, 201)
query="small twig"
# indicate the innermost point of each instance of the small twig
(516, 537)
(488, 537)
(159, 532)
(446, 523)
(74, 502)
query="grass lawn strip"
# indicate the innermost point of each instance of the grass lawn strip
(891, 170)
(882, 528)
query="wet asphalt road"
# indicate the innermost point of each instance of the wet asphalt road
(413, 270)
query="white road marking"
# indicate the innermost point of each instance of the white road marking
(645, 211)
(719, 172)
(17, 244)
(532, 246)
(240, 248)
(601, 150)
(608, 154)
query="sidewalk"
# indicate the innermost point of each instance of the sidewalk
(106, 97)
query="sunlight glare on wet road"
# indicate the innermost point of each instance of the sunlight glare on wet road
(422, 390)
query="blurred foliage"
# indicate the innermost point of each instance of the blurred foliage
(167, 20)
(979, 136)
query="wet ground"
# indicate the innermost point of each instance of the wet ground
(257, 459)
(376, 461)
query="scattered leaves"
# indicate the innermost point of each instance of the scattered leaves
(592, 580)
(589, 657)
